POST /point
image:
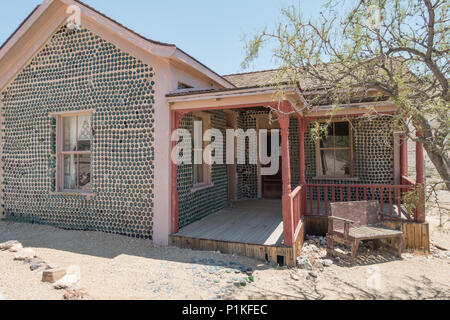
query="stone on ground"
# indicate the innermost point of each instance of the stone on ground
(8, 244)
(53, 275)
(295, 277)
(16, 248)
(327, 262)
(76, 294)
(304, 263)
(25, 254)
(66, 282)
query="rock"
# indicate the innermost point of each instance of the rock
(76, 294)
(16, 247)
(53, 275)
(313, 274)
(66, 282)
(52, 266)
(304, 263)
(25, 254)
(327, 262)
(37, 266)
(295, 277)
(8, 244)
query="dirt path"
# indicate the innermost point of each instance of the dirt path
(116, 267)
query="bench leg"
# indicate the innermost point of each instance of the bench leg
(355, 247)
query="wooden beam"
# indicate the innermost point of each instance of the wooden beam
(288, 219)
(420, 180)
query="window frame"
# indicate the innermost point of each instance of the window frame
(60, 153)
(206, 125)
(319, 171)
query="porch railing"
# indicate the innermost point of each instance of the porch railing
(298, 210)
(390, 197)
(314, 200)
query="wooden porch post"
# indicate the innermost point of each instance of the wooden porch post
(302, 124)
(403, 156)
(301, 132)
(176, 117)
(420, 180)
(288, 220)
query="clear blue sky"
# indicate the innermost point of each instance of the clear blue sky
(209, 30)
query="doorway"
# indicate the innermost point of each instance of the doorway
(272, 185)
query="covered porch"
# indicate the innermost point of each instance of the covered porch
(273, 230)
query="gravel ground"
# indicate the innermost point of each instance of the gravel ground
(117, 267)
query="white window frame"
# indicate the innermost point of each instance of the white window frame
(60, 153)
(319, 171)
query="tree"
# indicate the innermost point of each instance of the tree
(400, 48)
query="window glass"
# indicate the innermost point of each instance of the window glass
(335, 151)
(84, 133)
(69, 133)
(70, 172)
(75, 156)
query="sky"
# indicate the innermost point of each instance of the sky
(209, 30)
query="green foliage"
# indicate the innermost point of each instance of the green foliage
(349, 52)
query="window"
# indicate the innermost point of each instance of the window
(334, 151)
(202, 172)
(74, 152)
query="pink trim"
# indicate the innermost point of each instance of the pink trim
(241, 106)
(176, 117)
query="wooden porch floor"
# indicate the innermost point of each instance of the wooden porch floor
(258, 222)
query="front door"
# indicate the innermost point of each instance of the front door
(272, 185)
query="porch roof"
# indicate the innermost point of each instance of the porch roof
(203, 99)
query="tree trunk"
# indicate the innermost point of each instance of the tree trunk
(441, 163)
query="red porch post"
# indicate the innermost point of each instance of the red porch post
(288, 220)
(420, 180)
(176, 117)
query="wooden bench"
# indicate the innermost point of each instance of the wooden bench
(352, 222)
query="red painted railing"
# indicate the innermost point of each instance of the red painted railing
(390, 197)
(298, 202)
